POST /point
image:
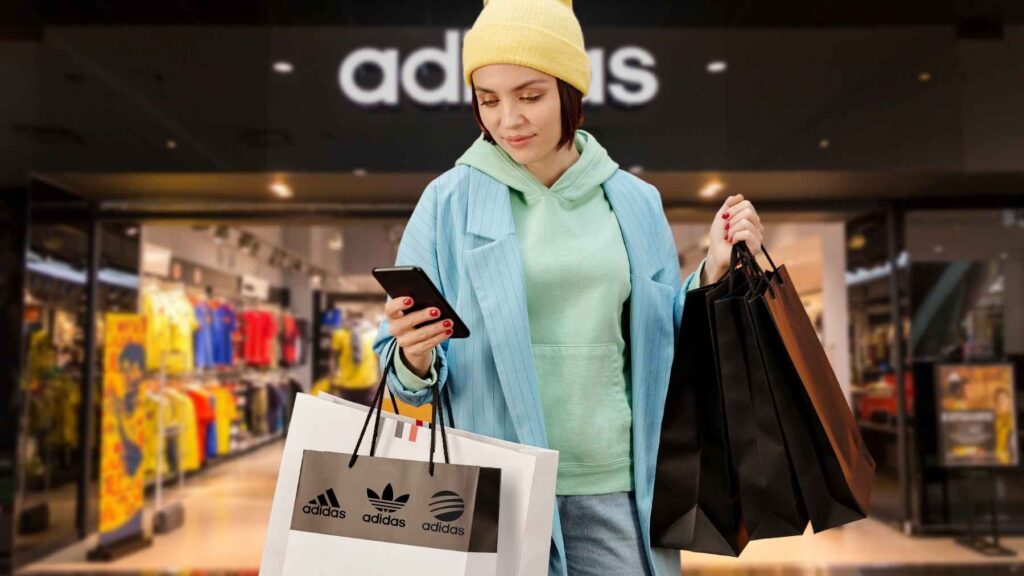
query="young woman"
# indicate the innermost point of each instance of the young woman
(565, 269)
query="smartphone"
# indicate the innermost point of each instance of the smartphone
(413, 282)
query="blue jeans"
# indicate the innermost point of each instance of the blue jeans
(602, 535)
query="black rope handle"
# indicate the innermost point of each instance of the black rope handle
(437, 420)
(377, 406)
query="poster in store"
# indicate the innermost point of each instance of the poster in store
(977, 415)
(123, 428)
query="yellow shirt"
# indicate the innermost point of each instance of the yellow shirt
(349, 374)
(224, 414)
(188, 433)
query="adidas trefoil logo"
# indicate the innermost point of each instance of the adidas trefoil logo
(386, 503)
(326, 504)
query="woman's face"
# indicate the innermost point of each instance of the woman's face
(516, 101)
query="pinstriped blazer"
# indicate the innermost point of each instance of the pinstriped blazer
(462, 235)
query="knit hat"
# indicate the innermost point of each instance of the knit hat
(541, 34)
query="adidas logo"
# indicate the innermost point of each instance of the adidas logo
(386, 503)
(446, 506)
(325, 504)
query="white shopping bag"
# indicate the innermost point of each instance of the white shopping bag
(329, 424)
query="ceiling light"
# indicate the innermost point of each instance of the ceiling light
(171, 144)
(857, 241)
(132, 231)
(336, 243)
(824, 143)
(283, 67)
(281, 190)
(360, 172)
(711, 189)
(246, 240)
(636, 169)
(717, 66)
(924, 76)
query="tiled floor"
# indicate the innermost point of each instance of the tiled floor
(227, 512)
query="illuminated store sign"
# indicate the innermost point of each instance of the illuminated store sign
(624, 76)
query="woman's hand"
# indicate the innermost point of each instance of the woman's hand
(736, 221)
(415, 344)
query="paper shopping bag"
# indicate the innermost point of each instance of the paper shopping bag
(386, 515)
(328, 424)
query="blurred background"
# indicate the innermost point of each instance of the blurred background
(232, 171)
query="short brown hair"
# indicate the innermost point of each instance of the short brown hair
(572, 113)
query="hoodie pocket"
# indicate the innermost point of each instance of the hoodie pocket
(586, 406)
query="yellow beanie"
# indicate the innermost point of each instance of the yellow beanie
(541, 34)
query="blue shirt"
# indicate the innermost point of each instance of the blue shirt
(224, 323)
(204, 336)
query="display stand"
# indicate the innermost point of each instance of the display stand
(984, 480)
(171, 517)
(35, 518)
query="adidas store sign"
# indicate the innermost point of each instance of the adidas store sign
(630, 81)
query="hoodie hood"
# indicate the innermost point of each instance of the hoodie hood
(574, 187)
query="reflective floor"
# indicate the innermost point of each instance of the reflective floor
(227, 510)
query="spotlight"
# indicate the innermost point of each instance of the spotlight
(717, 66)
(281, 190)
(711, 189)
(283, 67)
(221, 234)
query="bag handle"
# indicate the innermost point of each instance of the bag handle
(437, 419)
(377, 406)
(437, 415)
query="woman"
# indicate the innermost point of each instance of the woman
(565, 269)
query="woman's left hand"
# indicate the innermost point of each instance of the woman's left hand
(736, 221)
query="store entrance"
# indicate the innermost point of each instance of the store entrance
(235, 316)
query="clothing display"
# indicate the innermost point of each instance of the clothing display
(197, 333)
(170, 326)
(206, 419)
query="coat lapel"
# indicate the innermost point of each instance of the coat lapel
(496, 271)
(651, 325)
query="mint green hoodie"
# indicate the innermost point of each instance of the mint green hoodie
(577, 284)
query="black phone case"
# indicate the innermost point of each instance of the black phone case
(413, 282)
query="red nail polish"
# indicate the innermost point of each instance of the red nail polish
(726, 225)
(435, 313)
(447, 324)
(725, 216)
(408, 302)
(448, 332)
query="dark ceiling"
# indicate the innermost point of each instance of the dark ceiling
(980, 16)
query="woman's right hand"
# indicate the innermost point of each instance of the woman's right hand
(415, 344)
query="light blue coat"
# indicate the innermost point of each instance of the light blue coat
(462, 234)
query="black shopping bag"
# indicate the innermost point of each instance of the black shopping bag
(769, 497)
(833, 467)
(696, 500)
